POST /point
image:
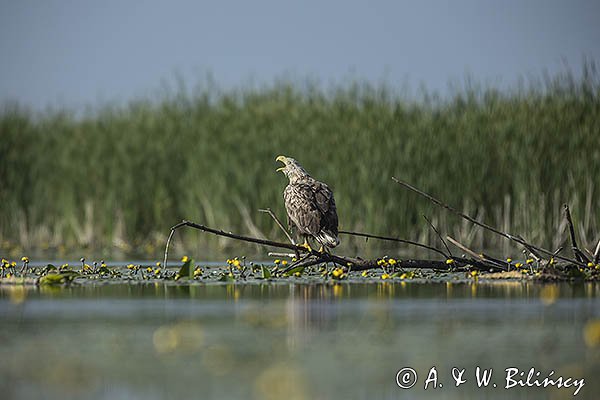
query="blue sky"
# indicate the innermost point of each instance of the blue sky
(75, 53)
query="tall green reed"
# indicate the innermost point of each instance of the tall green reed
(122, 175)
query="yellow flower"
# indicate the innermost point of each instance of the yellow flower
(509, 260)
(385, 276)
(284, 262)
(185, 259)
(131, 266)
(529, 261)
(149, 269)
(13, 264)
(4, 261)
(338, 272)
(297, 274)
(590, 265)
(365, 273)
(294, 259)
(236, 263)
(449, 261)
(518, 265)
(157, 271)
(392, 261)
(474, 273)
(197, 271)
(25, 259)
(158, 263)
(277, 261)
(551, 261)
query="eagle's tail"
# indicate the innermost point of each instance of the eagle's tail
(327, 239)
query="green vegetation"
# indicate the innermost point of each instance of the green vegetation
(120, 177)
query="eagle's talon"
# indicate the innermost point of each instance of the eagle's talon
(306, 246)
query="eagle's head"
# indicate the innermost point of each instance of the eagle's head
(292, 169)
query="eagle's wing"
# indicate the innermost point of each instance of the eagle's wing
(326, 204)
(302, 208)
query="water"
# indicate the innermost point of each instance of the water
(283, 340)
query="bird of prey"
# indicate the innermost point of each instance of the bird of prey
(310, 205)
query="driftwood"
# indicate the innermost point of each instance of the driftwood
(314, 257)
(478, 261)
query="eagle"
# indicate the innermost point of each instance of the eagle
(310, 205)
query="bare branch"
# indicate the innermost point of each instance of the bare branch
(576, 252)
(391, 239)
(439, 236)
(278, 222)
(485, 226)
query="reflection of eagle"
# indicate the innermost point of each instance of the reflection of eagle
(309, 204)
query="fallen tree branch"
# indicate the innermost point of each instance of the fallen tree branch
(514, 238)
(314, 257)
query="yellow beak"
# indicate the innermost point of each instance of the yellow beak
(282, 159)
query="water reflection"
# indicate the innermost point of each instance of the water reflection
(290, 340)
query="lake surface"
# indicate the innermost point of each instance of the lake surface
(295, 340)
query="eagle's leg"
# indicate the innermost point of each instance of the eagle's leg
(306, 245)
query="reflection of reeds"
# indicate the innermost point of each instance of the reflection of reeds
(120, 175)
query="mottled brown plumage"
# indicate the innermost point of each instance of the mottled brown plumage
(309, 204)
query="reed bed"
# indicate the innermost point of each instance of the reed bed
(118, 177)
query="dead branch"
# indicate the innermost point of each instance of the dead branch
(279, 224)
(391, 239)
(314, 257)
(439, 236)
(509, 236)
(576, 252)
(495, 263)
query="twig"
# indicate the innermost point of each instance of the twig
(481, 224)
(494, 262)
(168, 243)
(276, 254)
(597, 253)
(576, 252)
(439, 236)
(278, 222)
(285, 231)
(391, 239)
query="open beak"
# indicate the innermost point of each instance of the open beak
(282, 159)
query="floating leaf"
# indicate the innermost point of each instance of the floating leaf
(48, 268)
(299, 269)
(52, 279)
(58, 279)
